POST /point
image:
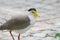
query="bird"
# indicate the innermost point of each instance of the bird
(20, 22)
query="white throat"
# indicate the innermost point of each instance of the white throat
(32, 19)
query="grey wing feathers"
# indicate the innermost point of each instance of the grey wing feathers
(16, 23)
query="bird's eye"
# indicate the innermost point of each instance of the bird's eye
(32, 12)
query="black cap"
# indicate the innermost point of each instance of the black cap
(32, 9)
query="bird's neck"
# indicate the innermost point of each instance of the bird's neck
(31, 17)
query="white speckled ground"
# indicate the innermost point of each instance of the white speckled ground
(47, 23)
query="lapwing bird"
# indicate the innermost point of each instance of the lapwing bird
(20, 22)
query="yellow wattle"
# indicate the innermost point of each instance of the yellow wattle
(35, 15)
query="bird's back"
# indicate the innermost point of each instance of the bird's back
(16, 22)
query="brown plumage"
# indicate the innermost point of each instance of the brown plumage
(16, 23)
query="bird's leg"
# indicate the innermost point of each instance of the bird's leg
(19, 36)
(11, 34)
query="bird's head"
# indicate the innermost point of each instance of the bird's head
(34, 12)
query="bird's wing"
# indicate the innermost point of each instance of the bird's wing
(10, 19)
(17, 22)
